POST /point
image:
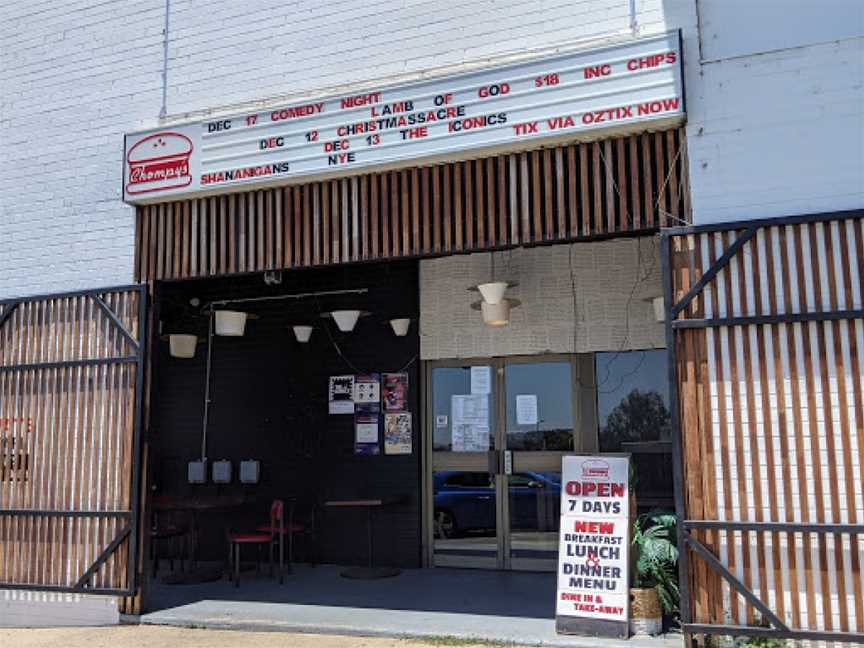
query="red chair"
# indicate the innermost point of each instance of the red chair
(290, 529)
(275, 532)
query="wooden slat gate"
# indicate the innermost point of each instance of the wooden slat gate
(765, 333)
(70, 409)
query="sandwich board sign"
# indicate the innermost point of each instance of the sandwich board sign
(593, 594)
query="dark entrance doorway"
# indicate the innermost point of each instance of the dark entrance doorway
(269, 403)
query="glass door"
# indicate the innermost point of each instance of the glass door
(539, 428)
(465, 484)
(498, 430)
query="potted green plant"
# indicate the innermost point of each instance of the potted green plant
(654, 576)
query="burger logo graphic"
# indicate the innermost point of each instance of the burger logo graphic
(595, 469)
(158, 162)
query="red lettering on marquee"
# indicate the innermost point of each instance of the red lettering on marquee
(654, 107)
(360, 100)
(652, 61)
(297, 111)
(594, 71)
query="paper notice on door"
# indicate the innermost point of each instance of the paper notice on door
(481, 380)
(470, 418)
(526, 409)
(470, 438)
(470, 409)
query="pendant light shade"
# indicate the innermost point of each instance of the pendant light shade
(182, 346)
(230, 323)
(346, 320)
(400, 326)
(493, 292)
(496, 314)
(302, 333)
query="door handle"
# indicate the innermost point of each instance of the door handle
(507, 460)
(500, 462)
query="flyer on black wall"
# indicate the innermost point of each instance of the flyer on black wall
(395, 392)
(367, 392)
(366, 433)
(397, 433)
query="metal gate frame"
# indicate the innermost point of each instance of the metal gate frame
(686, 541)
(130, 531)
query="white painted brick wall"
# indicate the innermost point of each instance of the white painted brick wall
(779, 134)
(612, 283)
(73, 77)
(772, 133)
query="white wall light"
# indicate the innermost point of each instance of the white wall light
(401, 326)
(496, 314)
(230, 323)
(182, 346)
(346, 320)
(302, 333)
(493, 292)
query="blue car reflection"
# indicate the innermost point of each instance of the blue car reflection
(465, 502)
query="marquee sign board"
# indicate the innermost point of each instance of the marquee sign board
(623, 86)
(593, 595)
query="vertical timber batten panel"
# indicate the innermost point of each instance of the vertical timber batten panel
(768, 358)
(69, 399)
(496, 202)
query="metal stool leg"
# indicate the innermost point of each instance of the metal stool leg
(270, 549)
(282, 558)
(230, 572)
(290, 550)
(237, 564)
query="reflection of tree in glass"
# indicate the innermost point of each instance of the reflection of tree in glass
(640, 416)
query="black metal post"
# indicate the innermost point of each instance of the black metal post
(786, 318)
(135, 504)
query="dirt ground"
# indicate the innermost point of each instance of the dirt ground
(165, 637)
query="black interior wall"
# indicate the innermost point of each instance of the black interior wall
(269, 402)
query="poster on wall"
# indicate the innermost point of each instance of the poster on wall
(470, 416)
(397, 433)
(366, 436)
(367, 391)
(340, 395)
(593, 576)
(395, 392)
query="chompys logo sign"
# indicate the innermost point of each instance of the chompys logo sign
(595, 469)
(158, 162)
